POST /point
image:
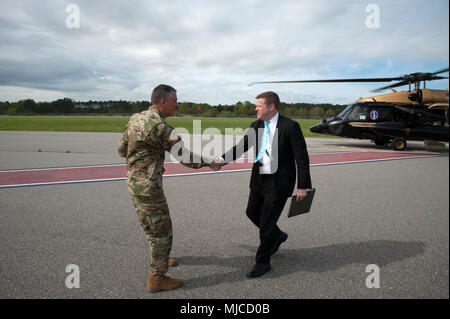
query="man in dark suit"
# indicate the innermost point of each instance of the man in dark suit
(280, 147)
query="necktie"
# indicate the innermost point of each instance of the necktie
(264, 142)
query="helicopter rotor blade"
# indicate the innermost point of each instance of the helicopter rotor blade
(441, 71)
(404, 80)
(411, 80)
(391, 86)
(408, 82)
(333, 80)
(439, 77)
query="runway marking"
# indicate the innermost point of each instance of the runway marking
(114, 172)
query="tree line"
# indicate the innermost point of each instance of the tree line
(68, 106)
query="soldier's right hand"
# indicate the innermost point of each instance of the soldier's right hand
(216, 164)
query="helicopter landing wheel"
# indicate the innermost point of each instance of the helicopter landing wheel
(398, 144)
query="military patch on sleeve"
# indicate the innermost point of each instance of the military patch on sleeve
(173, 136)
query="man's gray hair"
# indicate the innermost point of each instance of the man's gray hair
(162, 91)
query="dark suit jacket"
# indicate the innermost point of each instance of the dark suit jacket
(288, 151)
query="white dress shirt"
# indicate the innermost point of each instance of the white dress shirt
(265, 160)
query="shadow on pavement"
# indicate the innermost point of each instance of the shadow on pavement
(317, 260)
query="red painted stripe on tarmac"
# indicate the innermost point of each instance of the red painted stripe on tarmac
(29, 177)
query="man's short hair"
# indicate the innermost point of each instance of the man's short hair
(270, 97)
(162, 91)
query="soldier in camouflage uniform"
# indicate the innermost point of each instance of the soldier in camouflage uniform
(145, 140)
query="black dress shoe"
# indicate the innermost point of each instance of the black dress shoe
(283, 237)
(258, 270)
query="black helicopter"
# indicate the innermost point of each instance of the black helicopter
(385, 123)
(393, 118)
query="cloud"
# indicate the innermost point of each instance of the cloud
(209, 50)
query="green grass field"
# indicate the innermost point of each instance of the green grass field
(117, 124)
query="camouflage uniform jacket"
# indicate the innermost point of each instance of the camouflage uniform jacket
(144, 142)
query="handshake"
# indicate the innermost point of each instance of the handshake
(216, 164)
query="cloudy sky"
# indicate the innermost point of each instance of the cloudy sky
(211, 50)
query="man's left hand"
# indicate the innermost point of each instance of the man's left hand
(301, 193)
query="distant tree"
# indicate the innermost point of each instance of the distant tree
(185, 108)
(288, 111)
(139, 106)
(63, 106)
(247, 108)
(29, 106)
(43, 107)
(316, 112)
(211, 112)
(330, 113)
(237, 106)
(16, 108)
(244, 109)
(250, 107)
(302, 112)
(4, 107)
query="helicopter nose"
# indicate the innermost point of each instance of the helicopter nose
(318, 128)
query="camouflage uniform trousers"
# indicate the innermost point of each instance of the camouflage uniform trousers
(153, 215)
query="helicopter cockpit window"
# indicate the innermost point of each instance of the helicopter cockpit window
(358, 113)
(345, 111)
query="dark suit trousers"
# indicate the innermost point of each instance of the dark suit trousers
(264, 209)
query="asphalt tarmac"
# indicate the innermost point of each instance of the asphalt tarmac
(391, 214)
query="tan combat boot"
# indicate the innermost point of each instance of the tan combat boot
(172, 262)
(159, 282)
